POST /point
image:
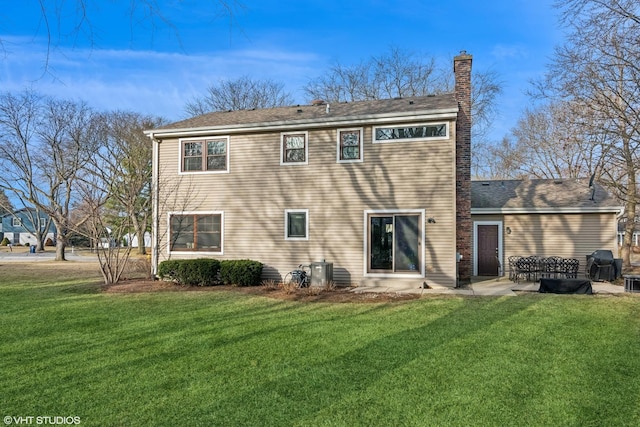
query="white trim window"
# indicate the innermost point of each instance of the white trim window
(196, 232)
(411, 132)
(210, 155)
(296, 224)
(16, 222)
(294, 148)
(349, 145)
(394, 243)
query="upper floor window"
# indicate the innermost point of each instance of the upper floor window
(204, 155)
(200, 232)
(350, 145)
(16, 222)
(411, 132)
(294, 148)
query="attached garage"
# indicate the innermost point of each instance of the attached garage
(565, 218)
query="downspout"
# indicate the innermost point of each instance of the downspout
(155, 244)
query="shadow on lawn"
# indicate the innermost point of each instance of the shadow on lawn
(297, 401)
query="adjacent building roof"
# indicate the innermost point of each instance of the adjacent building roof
(540, 196)
(319, 114)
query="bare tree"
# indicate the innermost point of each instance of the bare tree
(598, 70)
(400, 73)
(549, 144)
(124, 168)
(5, 204)
(394, 74)
(243, 93)
(44, 147)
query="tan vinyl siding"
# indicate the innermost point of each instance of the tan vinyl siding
(560, 234)
(258, 189)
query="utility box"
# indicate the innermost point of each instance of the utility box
(321, 273)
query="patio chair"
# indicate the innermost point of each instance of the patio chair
(548, 268)
(527, 269)
(570, 267)
(512, 267)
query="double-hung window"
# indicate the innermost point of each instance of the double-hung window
(196, 232)
(350, 145)
(204, 155)
(294, 148)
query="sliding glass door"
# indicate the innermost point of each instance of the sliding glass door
(394, 243)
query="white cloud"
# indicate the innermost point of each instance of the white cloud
(502, 52)
(143, 80)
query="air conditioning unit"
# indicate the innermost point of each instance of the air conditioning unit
(321, 273)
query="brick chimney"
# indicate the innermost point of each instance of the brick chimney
(464, 226)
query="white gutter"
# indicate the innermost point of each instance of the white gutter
(450, 113)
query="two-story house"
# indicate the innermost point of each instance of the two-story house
(379, 188)
(24, 225)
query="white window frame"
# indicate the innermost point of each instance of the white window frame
(209, 253)
(306, 148)
(203, 139)
(365, 250)
(408, 125)
(286, 224)
(339, 145)
(16, 222)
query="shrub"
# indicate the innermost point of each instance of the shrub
(49, 242)
(4, 242)
(191, 272)
(242, 272)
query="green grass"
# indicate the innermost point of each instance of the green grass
(226, 359)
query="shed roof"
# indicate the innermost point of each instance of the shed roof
(318, 113)
(540, 195)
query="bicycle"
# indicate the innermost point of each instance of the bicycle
(300, 277)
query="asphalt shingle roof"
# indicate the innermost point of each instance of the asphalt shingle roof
(539, 194)
(317, 113)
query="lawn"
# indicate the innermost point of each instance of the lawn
(231, 359)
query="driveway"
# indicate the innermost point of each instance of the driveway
(22, 255)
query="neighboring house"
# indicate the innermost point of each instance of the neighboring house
(635, 240)
(380, 188)
(20, 227)
(563, 217)
(133, 241)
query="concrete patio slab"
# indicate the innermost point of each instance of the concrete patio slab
(487, 287)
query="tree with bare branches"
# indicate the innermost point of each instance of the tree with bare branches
(124, 166)
(400, 73)
(597, 70)
(549, 144)
(243, 93)
(44, 146)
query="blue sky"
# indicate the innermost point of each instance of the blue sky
(124, 61)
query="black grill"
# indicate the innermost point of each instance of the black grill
(601, 266)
